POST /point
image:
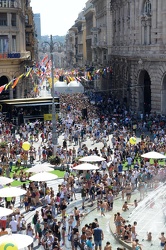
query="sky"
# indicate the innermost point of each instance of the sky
(57, 16)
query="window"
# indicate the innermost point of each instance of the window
(147, 7)
(3, 44)
(14, 49)
(27, 39)
(26, 19)
(13, 19)
(3, 19)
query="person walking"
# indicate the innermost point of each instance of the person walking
(98, 237)
(83, 195)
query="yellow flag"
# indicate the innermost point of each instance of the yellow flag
(7, 85)
(27, 74)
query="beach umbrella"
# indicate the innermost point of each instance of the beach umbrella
(15, 241)
(153, 155)
(5, 180)
(85, 166)
(5, 211)
(11, 192)
(44, 176)
(39, 168)
(92, 158)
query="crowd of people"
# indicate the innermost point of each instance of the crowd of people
(107, 123)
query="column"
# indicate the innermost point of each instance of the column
(148, 32)
(143, 32)
(18, 91)
(10, 93)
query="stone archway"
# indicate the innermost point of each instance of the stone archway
(163, 96)
(144, 90)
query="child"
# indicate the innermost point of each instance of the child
(125, 206)
(102, 207)
(135, 203)
(70, 223)
(149, 236)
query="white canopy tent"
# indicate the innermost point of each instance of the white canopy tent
(153, 155)
(72, 87)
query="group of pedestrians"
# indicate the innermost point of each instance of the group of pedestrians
(108, 123)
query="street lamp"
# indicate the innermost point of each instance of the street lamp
(54, 125)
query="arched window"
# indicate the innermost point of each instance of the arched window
(147, 7)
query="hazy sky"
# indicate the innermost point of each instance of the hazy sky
(57, 16)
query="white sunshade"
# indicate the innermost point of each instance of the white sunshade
(92, 158)
(153, 155)
(11, 192)
(5, 180)
(20, 240)
(39, 168)
(85, 166)
(44, 176)
(5, 211)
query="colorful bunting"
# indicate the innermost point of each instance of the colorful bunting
(2, 88)
(29, 71)
(7, 85)
(16, 81)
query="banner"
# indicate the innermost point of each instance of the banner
(48, 117)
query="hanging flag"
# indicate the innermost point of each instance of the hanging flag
(44, 59)
(2, 88)
(29, 71)
(16, 81)
(8, 84)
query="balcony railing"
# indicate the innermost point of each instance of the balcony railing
(15, 55)
(101, 43)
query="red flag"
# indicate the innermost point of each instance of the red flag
(2, 88)
(45, 58)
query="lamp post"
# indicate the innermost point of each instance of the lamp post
(54, 125)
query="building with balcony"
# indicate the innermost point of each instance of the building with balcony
(30, 35)
(102, 32)
(90, 20)
(80, 40)
(71, 47)
(13, 53)
(138, 53)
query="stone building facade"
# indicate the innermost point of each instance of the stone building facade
(102, 32)
(13, 54)
(130, 37)
(138, 53)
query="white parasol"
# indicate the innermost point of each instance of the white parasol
(44, 176)
(11, 192)
(5, 211)
(18, 240)
(5, 180)
(39, 168)
(92, 158)
(85, 166)
(153, 155)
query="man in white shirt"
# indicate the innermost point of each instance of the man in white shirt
(129, 161)
(48, 199)
(13, 225)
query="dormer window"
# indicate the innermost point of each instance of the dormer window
(147, 7)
